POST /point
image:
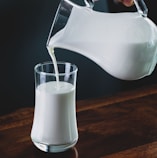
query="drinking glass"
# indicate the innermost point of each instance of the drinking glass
(54, 126)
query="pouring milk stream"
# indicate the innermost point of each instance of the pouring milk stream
(123, 44)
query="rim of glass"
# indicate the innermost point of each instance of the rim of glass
(75, 68)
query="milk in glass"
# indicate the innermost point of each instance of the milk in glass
(55, 118)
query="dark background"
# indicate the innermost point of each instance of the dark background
(24, 28)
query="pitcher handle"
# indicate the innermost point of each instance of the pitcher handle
(141, 7)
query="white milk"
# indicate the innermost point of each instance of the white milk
(54, 61)
(55, 114)
(123, 44)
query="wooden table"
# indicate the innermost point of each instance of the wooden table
(119, 126)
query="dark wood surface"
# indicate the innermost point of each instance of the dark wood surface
(119, 126)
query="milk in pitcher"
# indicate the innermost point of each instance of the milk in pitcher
(123, 44)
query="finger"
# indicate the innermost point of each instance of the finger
(127, 3)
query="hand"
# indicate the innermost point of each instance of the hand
(127, 3)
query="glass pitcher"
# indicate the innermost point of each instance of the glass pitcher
(124, 43)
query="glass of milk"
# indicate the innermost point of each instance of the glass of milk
(54, 126)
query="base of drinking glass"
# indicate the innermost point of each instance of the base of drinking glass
(54, 148)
